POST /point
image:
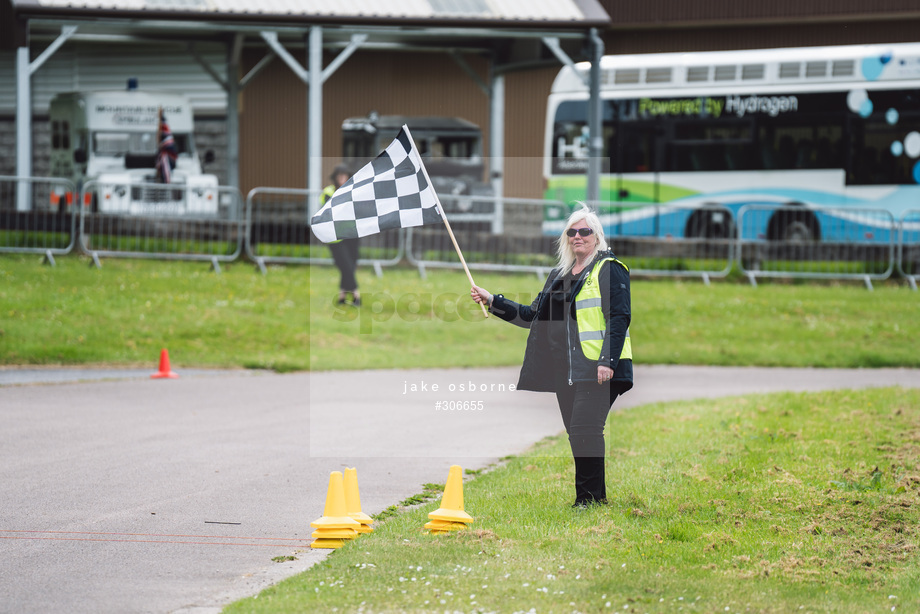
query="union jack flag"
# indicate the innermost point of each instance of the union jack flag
(167, 151)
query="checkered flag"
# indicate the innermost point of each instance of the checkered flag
(392, 191)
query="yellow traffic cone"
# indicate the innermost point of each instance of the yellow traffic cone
(451, 511)
(353, 501)
(336, 525)
(442, 526)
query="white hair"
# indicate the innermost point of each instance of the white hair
(565, 257)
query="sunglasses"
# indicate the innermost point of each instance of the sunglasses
(585, 232)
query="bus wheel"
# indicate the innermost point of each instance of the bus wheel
(710, 224)
(794, 227)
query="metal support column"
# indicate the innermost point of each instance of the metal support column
(593, 82)
(596, 141)
(315, 114)
(23, 127)
(232, 87)
(313, 77)
(496, 94)
(234, 50)
(24, 71)
(497, 148)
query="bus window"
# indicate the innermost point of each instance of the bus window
(636, 150)
(877, 154)
(709, 146)
(569, 144)
(873, 161)
(786, 146)
(570, 141)
(828, 147)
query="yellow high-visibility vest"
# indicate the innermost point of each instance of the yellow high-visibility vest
(328, 191)
(592, 325)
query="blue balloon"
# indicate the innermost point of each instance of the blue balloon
(897, 148)
(892, 116)
(917, 172)
(865, 109)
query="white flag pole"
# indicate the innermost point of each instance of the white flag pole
(443, 216)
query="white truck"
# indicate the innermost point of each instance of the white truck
(106, 143)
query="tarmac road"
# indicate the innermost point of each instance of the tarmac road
(125, 494)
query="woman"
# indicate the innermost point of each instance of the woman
(345, 251)
(578, 345)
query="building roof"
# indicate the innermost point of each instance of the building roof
(517, 13)
(509, 31)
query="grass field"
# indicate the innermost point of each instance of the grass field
(124, 313)
(780, 503)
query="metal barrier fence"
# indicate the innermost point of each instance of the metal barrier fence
(211, 223)
(528, 244)
(164, 221)
(671, 240)
(796, 242)
(522, 247)
(488, 211)
(909, 247)
(37, 215)
(278, 232)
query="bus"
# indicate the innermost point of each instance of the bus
(814, 136)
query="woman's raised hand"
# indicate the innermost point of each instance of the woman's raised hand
(480, 295)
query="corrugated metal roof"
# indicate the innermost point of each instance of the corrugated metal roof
(575, 12)
(99, 66)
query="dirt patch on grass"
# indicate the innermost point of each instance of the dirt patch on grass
(906, 452)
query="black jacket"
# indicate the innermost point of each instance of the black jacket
(537, 372)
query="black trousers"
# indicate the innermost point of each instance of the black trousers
(345, 256)
(584, 407)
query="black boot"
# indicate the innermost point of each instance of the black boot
(590, 485)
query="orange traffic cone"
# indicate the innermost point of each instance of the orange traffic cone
(353, 501)
(335, 526)
(450, 516)
(165, 371)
